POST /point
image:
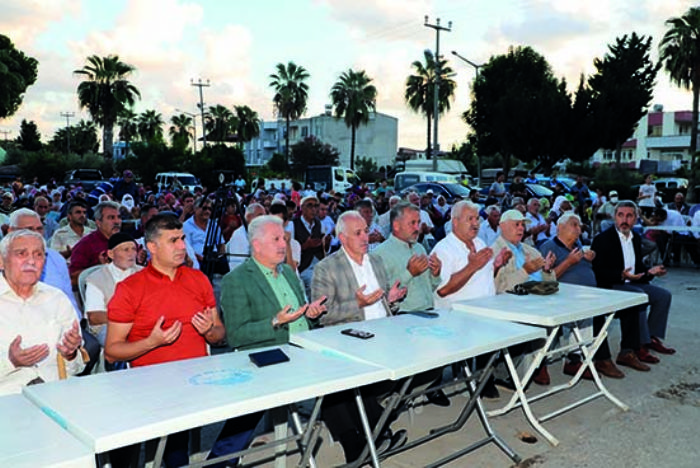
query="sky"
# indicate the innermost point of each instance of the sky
(236, 45)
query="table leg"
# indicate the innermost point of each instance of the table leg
(366, 428)
(160, 451)
(279, 418)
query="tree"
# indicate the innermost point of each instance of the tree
(219, 123)
(83, 138)
(247, 123)
(106, 92)
(29, 137)
(680, 52)
(180, 130)
(519, 108)
(420, 90)
(128, 126)
(150, 126)
(17, 73)
(354, 99)
(366, 169)
(291, 94)
(313, 152)
(622, 89)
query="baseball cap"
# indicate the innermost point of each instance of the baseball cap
(513, 215)
(613, 196)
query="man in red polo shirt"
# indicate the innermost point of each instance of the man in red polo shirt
(165, 312)
(92, 249)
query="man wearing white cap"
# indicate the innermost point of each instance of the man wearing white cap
(606, 211)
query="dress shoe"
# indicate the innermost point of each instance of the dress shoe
(608, 369)
(571, 368)
(629, 359)
(659, 347)
(438, 398)
(645, 356)
(390, 441)
(490, 391)
(542, 376)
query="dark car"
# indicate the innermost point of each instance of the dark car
(87, 178)
(449, 191)
(533, 190)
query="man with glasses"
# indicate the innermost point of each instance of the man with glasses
(196, 228)
(64, 238)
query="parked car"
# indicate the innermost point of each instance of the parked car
(448, 190)
(164, 181)
(533, 190)
(87, 178)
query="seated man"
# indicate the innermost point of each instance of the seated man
(37, 321)
(490, 229)
(356, 286)
(262, 302)
(165, 312)
(65, 238)
(101, 283)
(238, 247)
(618, 265)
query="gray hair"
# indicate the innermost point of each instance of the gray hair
(256, 226)
(532, 201)
(394, 199)
(7, 241)
(399, 209)
(627, 204)
(21, 213)
(102, 205)
(490, 209)
(340, 226)
(251, 209)
(462, 206)
(566, 217)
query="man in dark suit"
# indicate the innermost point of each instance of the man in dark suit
(618, 265)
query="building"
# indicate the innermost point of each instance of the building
(377, 140)
(659, 144)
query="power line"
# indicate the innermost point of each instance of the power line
(67, 115)
(199, 84)
(436, 88)
(5, 132)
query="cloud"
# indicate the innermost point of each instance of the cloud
(24, 20)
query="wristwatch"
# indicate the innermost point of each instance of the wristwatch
(275, 322)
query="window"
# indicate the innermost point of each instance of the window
(304, 132)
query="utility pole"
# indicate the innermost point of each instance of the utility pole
(5, 132)
(201, 85)
(476, 67)
(67, 115)
(436, 94)
(194, 127)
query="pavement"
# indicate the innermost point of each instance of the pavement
(659, 430)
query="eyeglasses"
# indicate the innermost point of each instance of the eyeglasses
(206, 208)
(311, 205)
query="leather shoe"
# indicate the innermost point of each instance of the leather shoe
(645, 356)
(609, 369)
(629, 359)
(438, 398)
(571, 368)
(490, 391)
(659, 347)
(542, 376)
(396, 440)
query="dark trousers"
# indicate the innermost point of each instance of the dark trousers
(236, 434)
(659, 306)
(629, 332)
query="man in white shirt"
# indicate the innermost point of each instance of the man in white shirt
(490, 229)
(238, 247)
(366, 210)
(37, 321)
(468, 264)
(539, 227)
(65, 237)
(101, 283)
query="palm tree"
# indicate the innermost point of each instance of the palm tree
(354, 99)
(420, 90)
(247, 123)
(179, 131)
(291, 94)
(150, 125)
(680, 51)
(128, 128)
(105, 92)
(219, 123)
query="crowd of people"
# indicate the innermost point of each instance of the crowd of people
(112, 278)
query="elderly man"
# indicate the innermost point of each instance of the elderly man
(328, 226)
(308, 232)
(384, 220)
(238, 247)
(91, 250)
(65, 238)
(573, 265)
(37, 321)
(366, 210)
(490, 229)
(526, 263)
(262, 302)
(678, 204)
(355, 286)
(165, 312)
(101, 283)
(618, 265)
(42, 206)
(538, 226)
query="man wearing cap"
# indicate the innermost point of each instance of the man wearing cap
(65, 237)
(101, 283)
(605, 213)
(526, 263)
(91, 250)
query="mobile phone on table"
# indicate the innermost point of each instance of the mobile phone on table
(269, 357)
(361, 334)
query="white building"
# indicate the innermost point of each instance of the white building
(661, 138)
(377, 140)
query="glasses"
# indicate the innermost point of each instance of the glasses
(206, 208)
(311, 205)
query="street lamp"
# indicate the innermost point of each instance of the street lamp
(476, 67)
(194, 127)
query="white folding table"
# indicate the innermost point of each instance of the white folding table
(571, 304)
(116, 409)
(29, 439)
(407, 345)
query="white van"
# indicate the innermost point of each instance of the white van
(164, 181)
(407, 178)
(327, 178)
